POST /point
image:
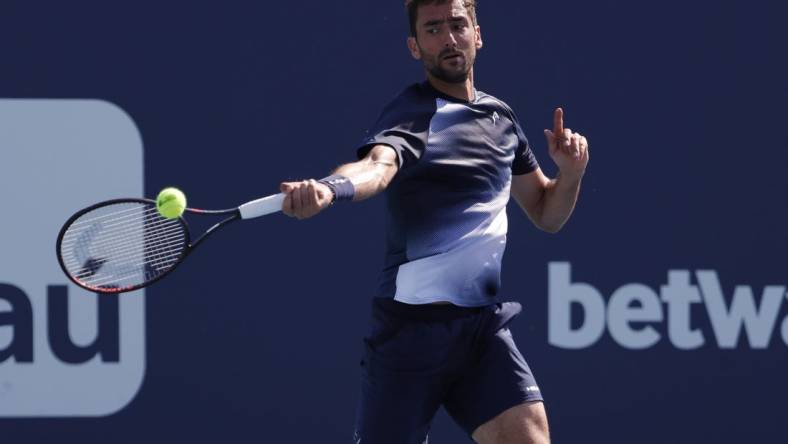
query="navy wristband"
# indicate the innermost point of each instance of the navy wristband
(341, 186)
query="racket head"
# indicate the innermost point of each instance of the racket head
(121, 245)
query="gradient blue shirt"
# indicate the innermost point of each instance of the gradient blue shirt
(446, 221)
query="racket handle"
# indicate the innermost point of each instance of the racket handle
(261, 207)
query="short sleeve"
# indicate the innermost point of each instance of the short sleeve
(524, 159)
(404, 126)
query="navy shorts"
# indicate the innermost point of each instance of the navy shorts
(418, 358)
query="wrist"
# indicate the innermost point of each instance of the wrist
(341, 187)
(327, 195)
(571, 176)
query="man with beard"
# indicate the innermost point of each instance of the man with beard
(449, 157)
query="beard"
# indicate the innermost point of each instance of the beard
(453, 74)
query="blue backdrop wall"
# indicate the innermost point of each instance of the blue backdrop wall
(257, 337)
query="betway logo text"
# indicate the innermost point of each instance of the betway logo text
(631, 312)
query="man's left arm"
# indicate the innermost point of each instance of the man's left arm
(549, 202)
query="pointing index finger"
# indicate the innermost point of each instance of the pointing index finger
(558, 123)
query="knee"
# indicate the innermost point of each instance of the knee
(540, 425)
(532, 428)
(523, 424)
(536, 433)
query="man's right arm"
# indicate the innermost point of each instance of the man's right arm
(369, 176)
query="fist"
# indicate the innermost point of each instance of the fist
(305, 199)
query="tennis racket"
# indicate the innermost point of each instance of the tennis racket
(125, 244)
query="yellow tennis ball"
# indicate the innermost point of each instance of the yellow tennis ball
(171, 202)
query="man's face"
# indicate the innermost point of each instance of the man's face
(446, 41)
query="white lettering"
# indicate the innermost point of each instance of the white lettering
(633, 310)
(727, 322)
(621, 313)
(562, 294)
(785, 327)
(679, 294)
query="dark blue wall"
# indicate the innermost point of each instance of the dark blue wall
(258, 336)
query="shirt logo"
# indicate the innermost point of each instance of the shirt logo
(495, 117)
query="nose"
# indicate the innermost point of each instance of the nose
(451, 40)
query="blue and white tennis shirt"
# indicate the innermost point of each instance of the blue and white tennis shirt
(446, 218)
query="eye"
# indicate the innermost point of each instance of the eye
(432, 31)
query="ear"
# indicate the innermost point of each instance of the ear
(479, 42)
(413, 46)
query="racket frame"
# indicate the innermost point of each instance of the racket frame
(233, 213)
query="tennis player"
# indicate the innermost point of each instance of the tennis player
(448, 157)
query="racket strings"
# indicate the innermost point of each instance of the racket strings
(120, 214)
(77, 229)
(122, 245)
(120, 239)
(141, 258)
(156, 251)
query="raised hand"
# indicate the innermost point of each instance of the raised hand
(567, 149)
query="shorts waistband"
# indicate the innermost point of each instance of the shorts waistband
(424, 312)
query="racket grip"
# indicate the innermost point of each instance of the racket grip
(261, 207)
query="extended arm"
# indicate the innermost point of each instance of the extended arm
(369, 176)
(549, 202)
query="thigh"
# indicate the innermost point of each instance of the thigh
(402, 383)
(499, 381)
(394, 408)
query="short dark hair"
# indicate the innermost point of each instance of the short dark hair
(413, 10)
